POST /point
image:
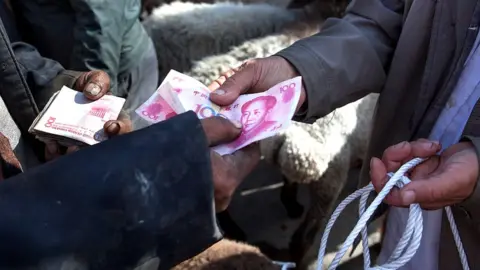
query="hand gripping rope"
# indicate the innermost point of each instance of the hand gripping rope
(410, 240)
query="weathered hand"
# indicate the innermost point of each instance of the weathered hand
(94, 85)
(440, 181)
(229, 170)
(256, 75)
(9, 164)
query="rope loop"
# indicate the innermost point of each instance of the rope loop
(411, 238)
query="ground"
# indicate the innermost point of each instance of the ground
(256, 207)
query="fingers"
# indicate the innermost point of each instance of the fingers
(72, 149)
(431, 193)
(245, 160)
(93, 84)
(230, 170)
(221, 80)
(378, 173)
(219, 130)
(239, 82)
(395, 156)
(118, 127)
(52, 150)
(401, 197)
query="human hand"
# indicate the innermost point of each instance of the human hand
(94, 85)
(9, 164)
(440, 181)
(253, 76)
(228, 171)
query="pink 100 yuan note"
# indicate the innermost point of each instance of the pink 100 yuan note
(157, 108)
(262, 115)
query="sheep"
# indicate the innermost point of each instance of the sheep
(147, 6)
(188, 32)
(231, 255)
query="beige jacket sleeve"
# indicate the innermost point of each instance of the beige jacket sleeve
(348, 58)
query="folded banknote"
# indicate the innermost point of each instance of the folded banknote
(71, 119)
(262, 114)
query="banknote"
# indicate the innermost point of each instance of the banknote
(71, 119)
(157, 108)
(262, 114)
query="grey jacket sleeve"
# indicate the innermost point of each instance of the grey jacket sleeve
(110, 204)
(98, 35)
(348, 58)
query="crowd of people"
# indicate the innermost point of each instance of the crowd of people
(158, 188)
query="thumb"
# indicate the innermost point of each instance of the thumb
(219, 130)
(427, 190)
(93, 84)
(239, 83)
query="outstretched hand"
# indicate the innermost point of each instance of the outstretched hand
(253, 76)
(440, 181)
(229, 170)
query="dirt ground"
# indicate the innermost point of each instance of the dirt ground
(257, 209)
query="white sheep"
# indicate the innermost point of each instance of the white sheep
(188, 32)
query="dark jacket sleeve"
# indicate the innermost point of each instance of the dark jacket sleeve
(113, 202)
(38, 71)
(98, 35)
(348, 58)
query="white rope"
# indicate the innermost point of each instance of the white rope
(410, 241)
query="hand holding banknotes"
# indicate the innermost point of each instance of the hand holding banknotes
(94, 85)
(253, 76)
(228, 171)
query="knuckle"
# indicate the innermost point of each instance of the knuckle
(435, 195)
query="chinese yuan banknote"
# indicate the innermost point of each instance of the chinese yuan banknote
(157, 108)
(262, 115)
(71, 119)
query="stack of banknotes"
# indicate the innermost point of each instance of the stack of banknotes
(69, 118)
(262, 114)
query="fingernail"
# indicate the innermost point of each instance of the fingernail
(219, 92)
(93, 89)
(236, 124)
(434, 144)
(408, 197)
(113, 128)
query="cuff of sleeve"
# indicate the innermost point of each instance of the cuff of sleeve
(309, 67)
(64, 78)
(472, 203)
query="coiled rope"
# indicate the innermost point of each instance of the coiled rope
(410, 240)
